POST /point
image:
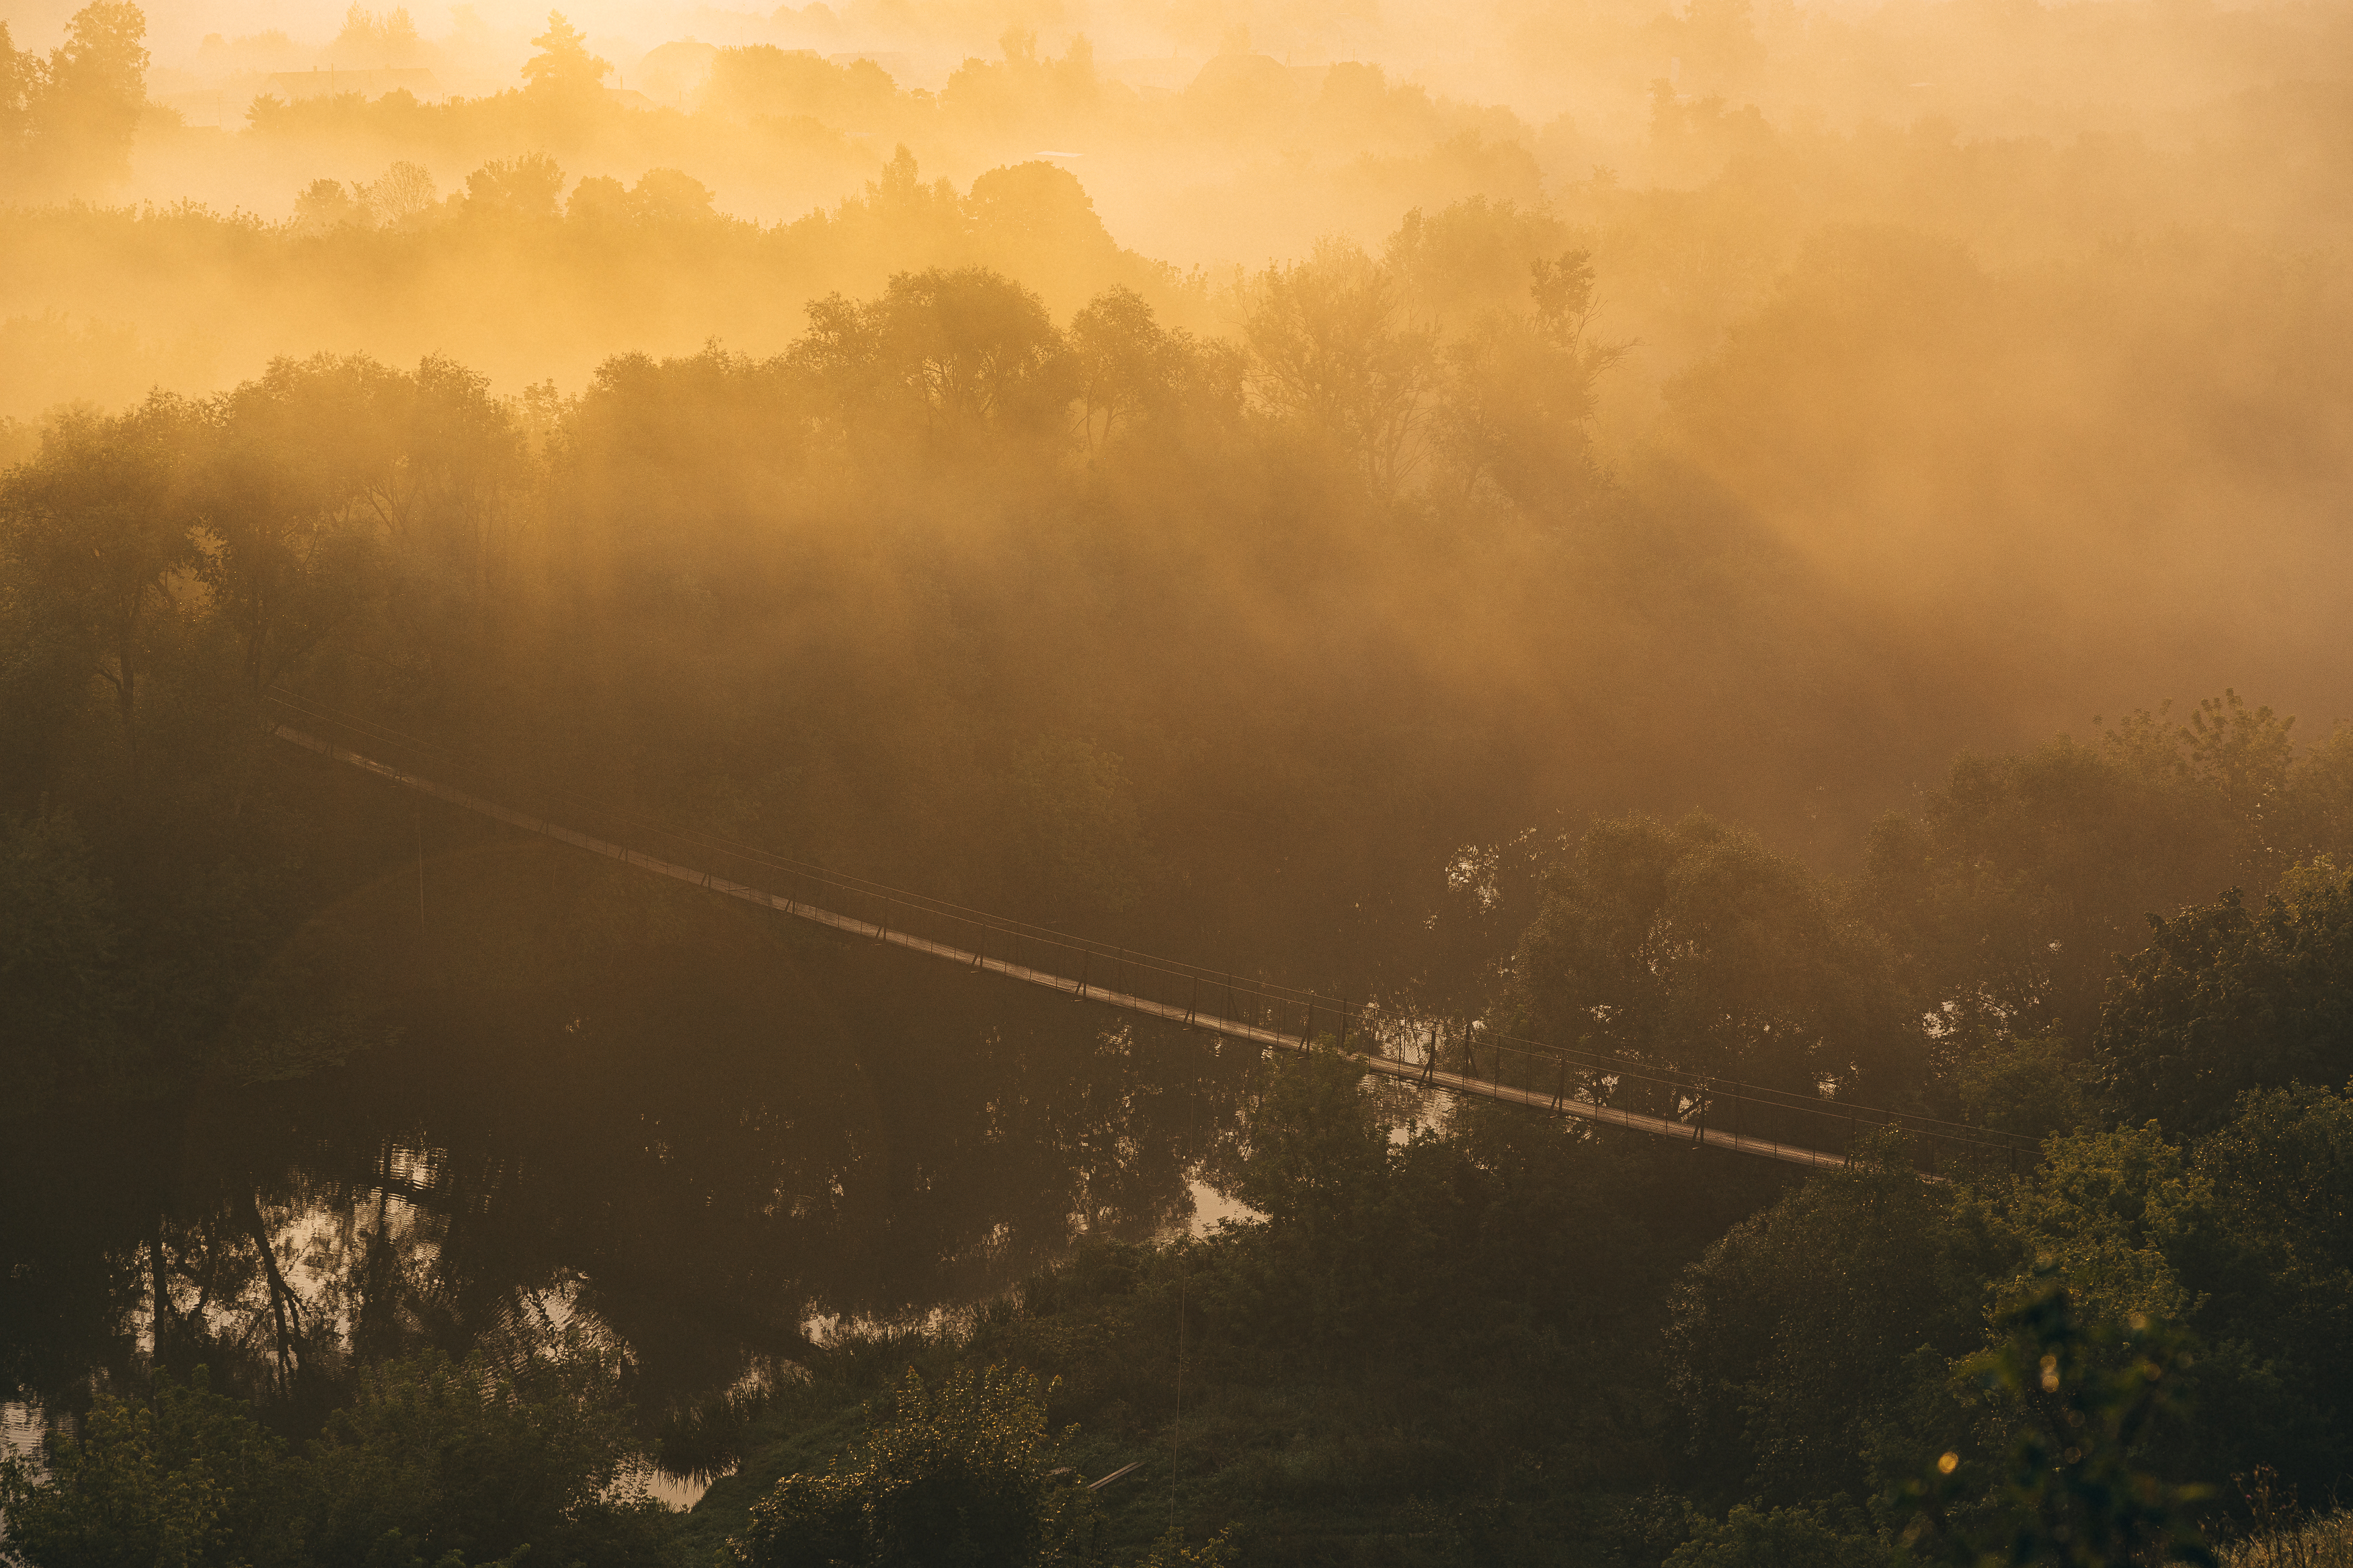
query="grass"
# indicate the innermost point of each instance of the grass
(2324, 1543)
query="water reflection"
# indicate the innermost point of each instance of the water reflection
(574, 1097)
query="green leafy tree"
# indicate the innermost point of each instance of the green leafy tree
(2028, 1086)
(2080, 1399)
(189, 1480)
(2282, 1181)
(2008, 894)
(2226, 999)
(1818, 1330)
(2236, 1238)
(1321, 1168)
(434, 1458)
(1693, 945)
(957, 1477)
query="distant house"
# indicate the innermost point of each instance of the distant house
(325, 81)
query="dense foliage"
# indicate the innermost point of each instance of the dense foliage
(430, 1463)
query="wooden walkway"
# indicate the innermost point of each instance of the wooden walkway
(1426, 1074)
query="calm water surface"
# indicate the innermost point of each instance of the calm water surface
(567, 1099)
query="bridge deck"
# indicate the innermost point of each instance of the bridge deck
(1227, 1028)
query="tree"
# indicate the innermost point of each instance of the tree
(2009, 892)
(292, 550)
(371, 40)
(529, 186)
(1819, 1329)
(564, 68)
(444, 483)
(662, 197)
(2236, 1238)
(957, 1477)
(2079, 1398)
(1693, 946)
(961, 351)
(99, 525)
(669, 195)
(433, 1457)
(84, 105)
(1128, 366)
(1319, 1163)
(2275, 1270)
(60, 1007)
(324, 206)
(1332, 353)
(400, 196)
(1518, 397)
(1036, 218)
(2225, 999)
(190, 1481)
(757, 79)
(1076, 834)
(20, 77)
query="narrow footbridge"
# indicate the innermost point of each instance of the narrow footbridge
(1464, 1057)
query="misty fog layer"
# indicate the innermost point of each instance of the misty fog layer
(2040, 374)
(1795, 551)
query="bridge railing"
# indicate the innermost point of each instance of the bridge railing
(1470, 1051)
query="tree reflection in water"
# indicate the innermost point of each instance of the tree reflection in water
(571, 1096)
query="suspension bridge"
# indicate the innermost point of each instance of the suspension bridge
(1465, 1059)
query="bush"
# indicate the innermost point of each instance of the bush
(958, 1479)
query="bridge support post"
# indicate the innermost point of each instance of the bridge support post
(1193, 1000)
